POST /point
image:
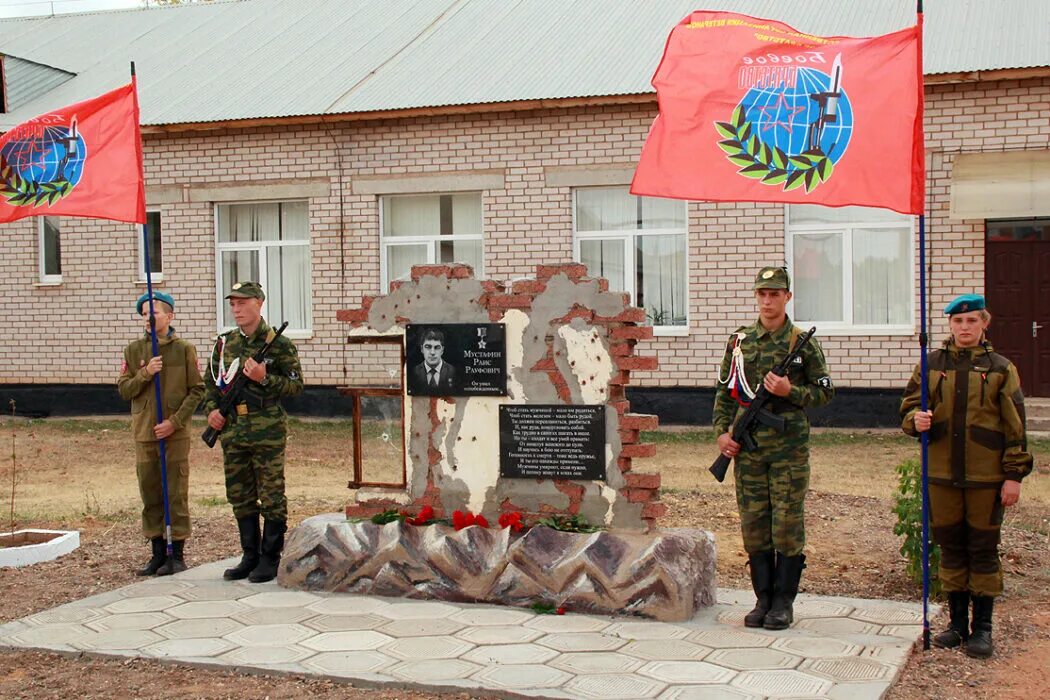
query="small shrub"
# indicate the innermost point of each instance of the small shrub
(908, 509)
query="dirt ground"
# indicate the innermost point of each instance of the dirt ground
(80, 474)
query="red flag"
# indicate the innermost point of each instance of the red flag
(752, 110)
(81, 160)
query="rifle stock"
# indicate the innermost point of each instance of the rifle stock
(232, 397)
(756, 411)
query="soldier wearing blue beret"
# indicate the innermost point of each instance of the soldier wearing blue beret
(182, 389)
(978, 457)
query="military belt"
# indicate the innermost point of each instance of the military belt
(258, 403)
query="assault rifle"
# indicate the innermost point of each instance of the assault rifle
(757, 413)
(232, 397)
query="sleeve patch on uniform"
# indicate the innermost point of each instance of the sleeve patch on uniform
(293, 375)
(797, 360)
(825, 382)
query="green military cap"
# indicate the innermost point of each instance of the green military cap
(772, 278)
(246, 290)
(963, 303)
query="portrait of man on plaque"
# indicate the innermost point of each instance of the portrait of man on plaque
(435, 375)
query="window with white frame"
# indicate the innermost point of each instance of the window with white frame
(852, 268)
(638, 244)
(50, 250)
(269, 243)
(427, 229)
(156, 249)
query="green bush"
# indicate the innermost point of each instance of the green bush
(909, 524)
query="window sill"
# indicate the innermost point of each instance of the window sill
(55, 283)
(670, 331)
(860, 331)
(141, 281)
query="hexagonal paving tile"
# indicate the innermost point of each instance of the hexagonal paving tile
(116, 640)
(270, 635)
(522, 676)
(158, 603)
(207, 608)
(645, 630)
(434, 670)
(837, 625)
(847, 670)
(707, 692)
(274, 616)
(816, 647)
(686, 672)
(207, 572)
(428, 648)
(614, 685)
(903, 631)
(188, 648)
(421, 628)
(268, 656)
(152, 587)
(345, 623)
(498, 634)
(729, 639)
(280, 599)
(510, 654)
(416, 610)
(666, 650)
(780, 684)
(859, 691)
(891, 653)
(348, 604)
(358, 640)
(51, 636)
(807, 608)
(753, 659)
(581, 641)
(132, 621)
(214, 591)
(349, 663)
(888, 615)
(596, 662)
(567, 623)
(734, 616)
(65, 616)
(484, 616)
(200, 629)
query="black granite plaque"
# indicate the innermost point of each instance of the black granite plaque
(552, 442)
(456, 359)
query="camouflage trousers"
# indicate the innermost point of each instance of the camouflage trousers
(253, 456)
(147, 466)
(771, 486)
(966, 524)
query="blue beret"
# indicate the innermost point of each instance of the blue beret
(963, 303)
(157, 296)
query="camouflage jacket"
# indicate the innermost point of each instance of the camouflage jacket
(180, 384)
(978, 433)
(762, 350)
(284, 375)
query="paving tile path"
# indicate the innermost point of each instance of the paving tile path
(841, 647)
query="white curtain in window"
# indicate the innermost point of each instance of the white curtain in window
(288, 285)
(401, 258)
(818, 277)
(812, 214)
(237, 266)
(606, 209)
(52, 242)
(605, 258)
(249, 223)
(412, 216)
(466, 216)
(662, 213)
(295, 221)
(468, 252)
(661, 279)
(881, 276)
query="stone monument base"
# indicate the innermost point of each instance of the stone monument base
(663, 574)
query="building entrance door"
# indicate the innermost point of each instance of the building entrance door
(1017, 287)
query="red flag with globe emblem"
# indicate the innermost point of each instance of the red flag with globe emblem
(753, 110)
(81, 160)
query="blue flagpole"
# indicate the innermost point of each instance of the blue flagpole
(924, 391)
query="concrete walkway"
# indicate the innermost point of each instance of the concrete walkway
(841, 648)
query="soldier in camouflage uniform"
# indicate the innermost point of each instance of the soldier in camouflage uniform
(253, 442)
(181, 390)
(978, 456)
(771, 481)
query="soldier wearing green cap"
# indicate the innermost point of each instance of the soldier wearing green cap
(771, 481)
(977, 459)
(254, 440)
(181, 390)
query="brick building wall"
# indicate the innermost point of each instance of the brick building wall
(74, 332)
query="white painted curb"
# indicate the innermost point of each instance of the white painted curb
(28, 554)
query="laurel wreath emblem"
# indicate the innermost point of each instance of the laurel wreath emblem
(19, 191)
(769, 165)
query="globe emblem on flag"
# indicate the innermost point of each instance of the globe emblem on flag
(790, 134)
(41, 164)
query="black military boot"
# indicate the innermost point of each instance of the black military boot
(959, 627)
(175, 562)
(270, 551)
(785, 588)
(761, 566)
(979, 645)
(160, 555)
(249, 529)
